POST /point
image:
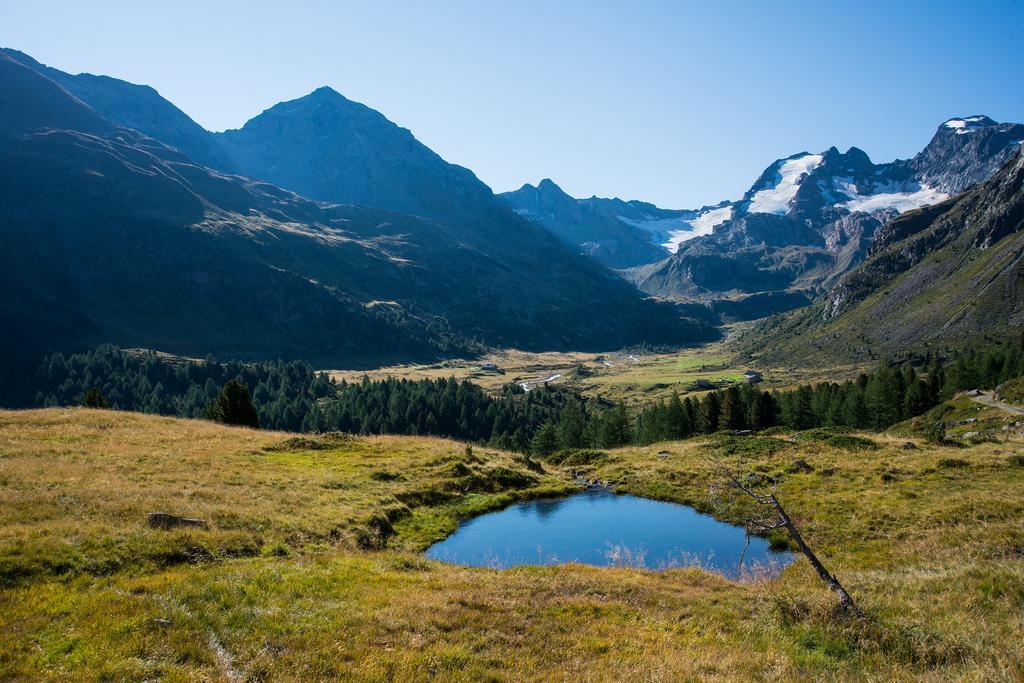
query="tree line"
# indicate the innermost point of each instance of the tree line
(291, 396)
(873, 401)
(282, 392)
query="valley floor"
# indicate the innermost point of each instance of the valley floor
(310, 568)
(632, 377)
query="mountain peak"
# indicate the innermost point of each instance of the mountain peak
(325, 94)
(967, 123)
(326, 91)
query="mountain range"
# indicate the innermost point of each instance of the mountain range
(618, 233)
(319, 230)
(810, 218)
(804, 223)
(946, 275)
(322, 230)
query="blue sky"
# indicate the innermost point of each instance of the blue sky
(679, 103)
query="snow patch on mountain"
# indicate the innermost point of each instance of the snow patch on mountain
(703, 224)
(776, 199)
(901, 196)
(661, 229)
(967, 125)
(669, 233)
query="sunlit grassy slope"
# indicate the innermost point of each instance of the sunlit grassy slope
(631, 377)
(310, 567)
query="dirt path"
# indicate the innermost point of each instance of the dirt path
(986, 398)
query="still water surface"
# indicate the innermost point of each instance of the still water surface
(602, 528)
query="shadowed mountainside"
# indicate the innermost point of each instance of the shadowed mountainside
(109, 235)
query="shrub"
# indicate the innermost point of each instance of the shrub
(936, 433)
(577, 457)
(851, 443)
(94, 398)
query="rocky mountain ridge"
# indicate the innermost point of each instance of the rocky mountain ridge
(810, 218)
(945, 274)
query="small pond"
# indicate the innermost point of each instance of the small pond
(600, 527)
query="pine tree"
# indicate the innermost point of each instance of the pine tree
(233, 406)
(615, 428)
(710, 412)
(545, 441)
(94, 399)
(762, 411)
(801, 408)
(916, 400)
(571, 426)
(732, 410)
(675, 418)
(884, 399)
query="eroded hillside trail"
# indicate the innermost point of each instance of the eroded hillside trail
(987, 398)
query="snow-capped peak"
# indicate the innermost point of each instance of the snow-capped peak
(776, 199)
(969, 123)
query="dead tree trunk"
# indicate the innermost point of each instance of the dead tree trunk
(845, 601)
(781, 519)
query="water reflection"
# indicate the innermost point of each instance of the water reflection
(601, 528)
(544, 507)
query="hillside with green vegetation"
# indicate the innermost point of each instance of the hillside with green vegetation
(308, 567)
(1011, 391)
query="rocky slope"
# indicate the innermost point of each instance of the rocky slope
(945, 274)
(607, 230)
(109, 235)
(138, 107)
(618, 233)
(810, 218)
(328, 148)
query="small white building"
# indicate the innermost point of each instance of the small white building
(752, 377)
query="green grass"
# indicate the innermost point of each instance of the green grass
(962, 417)
(310, 569)
(1012, 392)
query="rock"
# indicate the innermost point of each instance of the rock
(162, 622)
(971, 435)
(909, 446)
(741, 432)
(163, 520)
(663, 454)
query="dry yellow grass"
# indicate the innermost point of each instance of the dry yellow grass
(930, 541)
(619, 376)
(78, 485)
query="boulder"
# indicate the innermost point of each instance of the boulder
(164, 520)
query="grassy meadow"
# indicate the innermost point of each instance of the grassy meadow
(634, 378)
(310, 568)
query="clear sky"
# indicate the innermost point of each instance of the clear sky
(679, 103)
